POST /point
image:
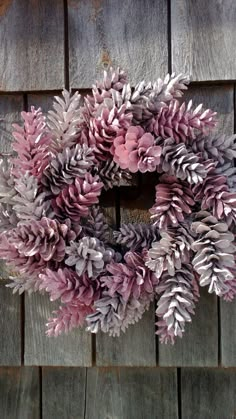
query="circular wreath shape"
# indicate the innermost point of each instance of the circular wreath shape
(54, 236)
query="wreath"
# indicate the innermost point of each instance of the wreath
(54, 236)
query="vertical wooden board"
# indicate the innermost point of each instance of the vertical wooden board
(218, 98)
(73, 349)
(19, 393)
(208, 393)
(228, 335)
(199, 345)
(131, 393)
(137, 346)
(102, 33)
(10, 327)
(10, 108)
(32, 45)
(203, 36)
(63, 393)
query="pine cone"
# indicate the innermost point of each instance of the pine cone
(67, 318)
(95, 225)
(178, 161)
(7, 190)
(29, 203)
(64, 121)
(31, 144)
(136, 151)
(113, 79)
(148, 98)
(214, 252)
(171, 251)
(228, 170)
(221, 148)
(109, 122)
(74, 200)
(8, 218)
(131, 279)
(108, 317)
(214, 194)
(173, 201)
(71, 163)
(88, 255)
(180, 123)
(112, 175)
(176, 304)
(67, 285)
(137, 236)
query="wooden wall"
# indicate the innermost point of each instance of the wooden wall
(46, 45)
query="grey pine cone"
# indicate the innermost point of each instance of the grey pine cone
(137, 236)
(71, 163)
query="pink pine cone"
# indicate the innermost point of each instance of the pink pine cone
(136, 151)
(131, 279)
(67, 285)
(74, 200)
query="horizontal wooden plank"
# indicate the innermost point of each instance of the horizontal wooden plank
(228, 335)
(10, 327)
(73, 349)
(203, 36)
(63, 393)
(199, 345)
(208, 393)
(131, 393)
(32, 45)
(101, 33)
(10, 108)
(19, 393)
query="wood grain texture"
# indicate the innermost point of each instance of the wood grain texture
(10, 327)
(32, 45)
(131, 393)
(203, 36)
(102, 33)
(137, 346)
(19, 393)
(228, 335)
(10, 108)
(208, 393)
(63, 393)
(73, 349)
(199, 345)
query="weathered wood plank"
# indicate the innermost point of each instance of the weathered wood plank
(10, 320)
(228, 335)
(32, 45)
(101, 34)
(131, 393)
(10, 327)
(208, 393)
(199, 345)
(203, 38)
(10, 108)
(73, 349)
(19, 393)
(63, 393)
(137, 346)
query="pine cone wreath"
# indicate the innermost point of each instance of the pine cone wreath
(54, 237)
